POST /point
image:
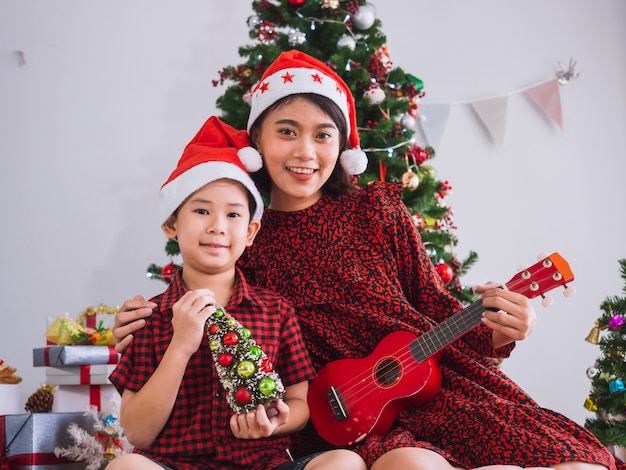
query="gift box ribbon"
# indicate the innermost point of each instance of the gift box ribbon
(24, 460)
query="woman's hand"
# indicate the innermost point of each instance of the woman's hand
(130, 318)
(509, 314)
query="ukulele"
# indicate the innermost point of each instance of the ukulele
(351, 398)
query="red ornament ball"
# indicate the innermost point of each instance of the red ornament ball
(243, 396)
(231, 338)
(267, 366)
(446, 273)
(168, 271)
(296, 3)
(225, 360)
(213, 329)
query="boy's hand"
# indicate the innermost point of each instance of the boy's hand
(190, 314)
(257, 424)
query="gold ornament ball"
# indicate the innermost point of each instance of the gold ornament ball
(332, 4)
(410, 180)
(246, 369)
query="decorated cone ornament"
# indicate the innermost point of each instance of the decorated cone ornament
(295, 72)
(217, 151)
(244, 370)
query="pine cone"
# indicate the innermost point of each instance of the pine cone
(40, 401)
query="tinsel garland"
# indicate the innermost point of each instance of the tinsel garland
(246, 373)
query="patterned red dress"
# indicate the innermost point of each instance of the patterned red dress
(356, 270)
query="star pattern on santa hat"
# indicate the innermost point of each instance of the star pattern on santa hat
(317, 78)
(263, 87)
(288, 77)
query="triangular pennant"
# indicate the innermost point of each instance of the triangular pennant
(548, 98)
(435, 122)
(492, 113)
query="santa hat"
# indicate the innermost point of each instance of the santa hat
(295, 72)
(217, 151)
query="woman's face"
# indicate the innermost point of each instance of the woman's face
(300, 146)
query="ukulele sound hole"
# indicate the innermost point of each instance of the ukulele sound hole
(387, 372)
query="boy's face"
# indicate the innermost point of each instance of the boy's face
(213, 227)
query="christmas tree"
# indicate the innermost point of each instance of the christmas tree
(607, 396)
(346, 35)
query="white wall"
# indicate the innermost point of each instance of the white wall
(110, 92)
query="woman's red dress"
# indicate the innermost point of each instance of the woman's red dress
(356, 270)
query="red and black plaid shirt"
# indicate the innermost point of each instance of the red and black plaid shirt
(197, 434)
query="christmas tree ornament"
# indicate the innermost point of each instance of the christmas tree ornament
(346, 41)
(254, 22)
(592, 372)
(590, 405)
(330, 4)
(296, 37)
(244, 370)
(410, 180)
(615, 322)
(427, 171)
(408, 121)
(594, 334)
(364, 17)
(167, 272)
(295, 3)
(616, 386)
(445, 271)
(374, 95)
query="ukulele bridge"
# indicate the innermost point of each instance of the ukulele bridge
(336, 403)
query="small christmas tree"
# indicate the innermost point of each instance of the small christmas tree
(607, 396)
(244, 370)
(346, 35)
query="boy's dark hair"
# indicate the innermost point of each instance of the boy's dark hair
(339, 181)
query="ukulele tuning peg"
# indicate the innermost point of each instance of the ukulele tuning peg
(543, 255)
(547, 301)
(569, 291)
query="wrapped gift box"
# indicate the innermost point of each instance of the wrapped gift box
(97, 374)
(80, 397)
(58, 356)
(27, 440)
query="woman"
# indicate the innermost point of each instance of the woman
(353, 265)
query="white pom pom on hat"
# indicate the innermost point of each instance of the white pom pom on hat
(217, 151)
(295, 72)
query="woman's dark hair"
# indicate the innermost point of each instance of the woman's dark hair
(339, 181)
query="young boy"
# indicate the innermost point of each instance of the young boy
(174, 409)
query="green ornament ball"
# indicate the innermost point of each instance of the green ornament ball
(255, 351)
(267, 386)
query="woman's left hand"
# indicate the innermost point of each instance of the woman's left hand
(509, 314)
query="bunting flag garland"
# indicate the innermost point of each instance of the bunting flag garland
(548, 98)
(492, 112)
(435, 123)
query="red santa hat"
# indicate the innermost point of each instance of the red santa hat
(295, 72)
(217, 151)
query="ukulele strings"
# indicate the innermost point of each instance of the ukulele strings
(355, 390)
